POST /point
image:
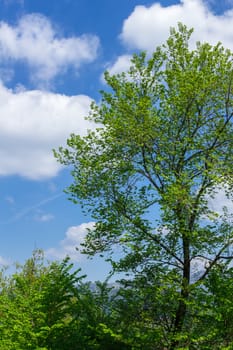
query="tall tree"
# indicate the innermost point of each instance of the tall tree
(162, 146)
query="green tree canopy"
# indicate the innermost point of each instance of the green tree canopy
(162, 145)
(39, 306)
(47, 306)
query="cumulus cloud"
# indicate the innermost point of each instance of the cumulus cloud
(148, 27)
(122, 64)
(34, 40)
(32, 123)
(67, 247)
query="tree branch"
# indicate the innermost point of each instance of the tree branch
(216, 259)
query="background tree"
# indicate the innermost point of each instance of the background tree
(40, 306)
(47, 306)
(162, 145)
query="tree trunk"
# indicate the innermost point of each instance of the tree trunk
(184, 294)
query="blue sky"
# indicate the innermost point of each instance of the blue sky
(52, 58)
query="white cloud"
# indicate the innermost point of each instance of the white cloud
(220, 200)
(122, 64)
(67, 247)
(148, 27)
(44, 217)
(198, 267)
(34, 207)
(35, 41)
(32, 123)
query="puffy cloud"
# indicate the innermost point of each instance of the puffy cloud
(35, 41)
(148, 27)
(67, 247)
(122, 64)
(32, 123)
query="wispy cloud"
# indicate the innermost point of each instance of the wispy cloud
(44, 217)
(22, 213)
(10, 200)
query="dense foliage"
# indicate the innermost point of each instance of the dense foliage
(48, 306)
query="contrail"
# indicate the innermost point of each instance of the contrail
(27, 210)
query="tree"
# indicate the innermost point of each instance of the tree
(162, 145)
(20, 305)
(46, 306)
(40, 307)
